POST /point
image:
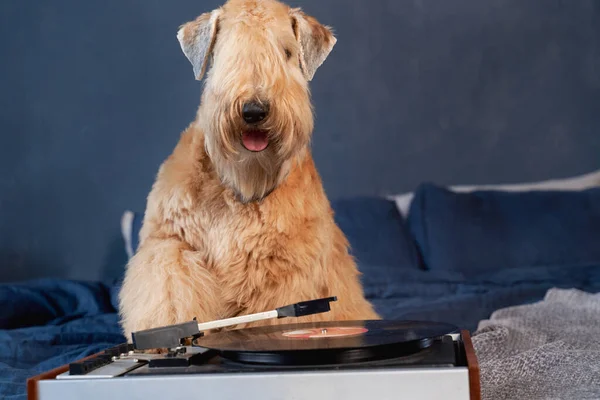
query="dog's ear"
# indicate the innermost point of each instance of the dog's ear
(316, 41)
(197, 39)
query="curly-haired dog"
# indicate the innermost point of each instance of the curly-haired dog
(237, 221)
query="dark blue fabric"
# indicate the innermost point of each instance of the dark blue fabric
(48, 323)
(488, 231)
(450, 297)
(376, 232)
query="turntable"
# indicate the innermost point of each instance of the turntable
(349, 360)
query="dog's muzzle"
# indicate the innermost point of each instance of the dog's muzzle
(253, 138)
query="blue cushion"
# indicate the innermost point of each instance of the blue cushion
(376, 232)
(486, 231)
(374, 227)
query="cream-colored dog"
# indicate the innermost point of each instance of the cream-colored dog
(237, 221)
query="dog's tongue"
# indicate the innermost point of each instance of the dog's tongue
(255, 140)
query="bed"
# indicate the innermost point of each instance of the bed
(455, 257)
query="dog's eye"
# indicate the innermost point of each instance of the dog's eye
(288, 54)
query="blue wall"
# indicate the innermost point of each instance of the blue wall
(94, 94)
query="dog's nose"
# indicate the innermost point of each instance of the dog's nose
(253, 112)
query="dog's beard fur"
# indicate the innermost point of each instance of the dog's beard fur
(253, 175)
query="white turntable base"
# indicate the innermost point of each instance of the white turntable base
(376, 384)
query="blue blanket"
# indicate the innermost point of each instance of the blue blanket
(48, 323)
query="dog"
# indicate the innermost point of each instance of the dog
(237, 220)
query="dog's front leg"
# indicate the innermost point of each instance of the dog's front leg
(166, 282)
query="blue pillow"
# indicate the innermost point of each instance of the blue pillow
(487, 231)
(376, 232)
(374, 227)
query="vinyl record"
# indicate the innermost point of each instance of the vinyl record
(325, 342)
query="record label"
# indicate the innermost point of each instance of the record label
(328, 332)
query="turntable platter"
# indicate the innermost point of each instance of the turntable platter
(325, 342)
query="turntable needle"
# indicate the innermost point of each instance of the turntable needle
(173, 335)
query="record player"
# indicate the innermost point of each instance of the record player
(350, 360)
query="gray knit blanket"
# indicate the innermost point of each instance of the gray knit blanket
(545, 350)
